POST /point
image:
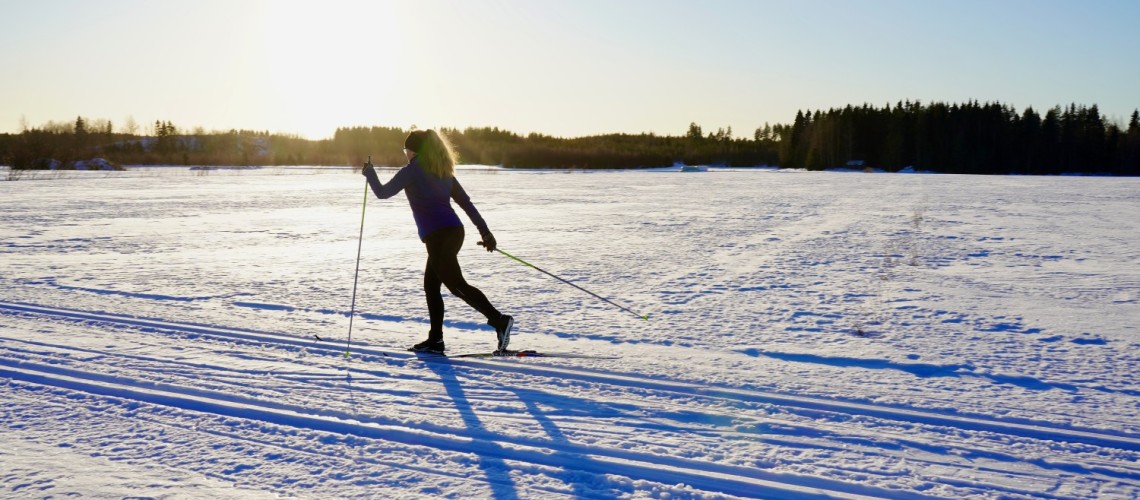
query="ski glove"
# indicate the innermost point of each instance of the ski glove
(488, 242)
(368, 169)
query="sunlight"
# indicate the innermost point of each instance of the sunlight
(321, 64)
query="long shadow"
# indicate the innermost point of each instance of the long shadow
(496, 470)
(922, 370)
(556, 435)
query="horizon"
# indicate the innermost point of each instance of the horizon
(145, 129)
(564, 70)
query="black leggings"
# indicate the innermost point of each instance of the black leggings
(443, 269)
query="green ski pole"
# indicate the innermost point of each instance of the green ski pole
(599, 297)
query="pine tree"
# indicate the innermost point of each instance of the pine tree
(694, 131)
(1031, 142)
(1050, 141)
(1131, 145)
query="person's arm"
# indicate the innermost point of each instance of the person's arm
(464, 202)
(394, 186)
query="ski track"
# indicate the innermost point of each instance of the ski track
(760, 420)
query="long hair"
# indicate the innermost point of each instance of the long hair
(434, 152)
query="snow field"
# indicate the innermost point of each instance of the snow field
(810, 335)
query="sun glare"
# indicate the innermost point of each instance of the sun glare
(328, 64)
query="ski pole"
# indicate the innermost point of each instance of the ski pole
(359, 245)
(608, 301)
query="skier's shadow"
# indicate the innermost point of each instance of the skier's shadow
(530, 398)
(496, 470)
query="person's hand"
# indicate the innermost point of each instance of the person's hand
(368, 169)
(488, 242)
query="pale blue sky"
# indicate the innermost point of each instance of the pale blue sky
(565, 67)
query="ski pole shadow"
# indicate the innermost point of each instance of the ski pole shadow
(556, 435)
(351, 392)
(496, 470)
(352, 402)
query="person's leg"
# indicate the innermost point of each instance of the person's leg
(445, 263)
(432, 286)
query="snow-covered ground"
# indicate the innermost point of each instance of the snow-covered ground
(809, 335)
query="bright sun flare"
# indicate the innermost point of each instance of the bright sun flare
(322, 68)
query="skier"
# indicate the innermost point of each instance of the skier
(429, 182)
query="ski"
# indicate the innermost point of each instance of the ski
(511, 354)
(500, 354)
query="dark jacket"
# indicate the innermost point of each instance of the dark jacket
(430, 198)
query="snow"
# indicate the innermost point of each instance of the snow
(810, 335)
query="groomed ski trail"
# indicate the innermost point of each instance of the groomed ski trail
(512, 422)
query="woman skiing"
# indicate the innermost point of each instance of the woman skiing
(429, 182)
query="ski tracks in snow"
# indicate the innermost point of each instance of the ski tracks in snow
(269, 411)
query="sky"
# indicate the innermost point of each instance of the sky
(558, 67)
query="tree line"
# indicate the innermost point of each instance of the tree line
(971, 138)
